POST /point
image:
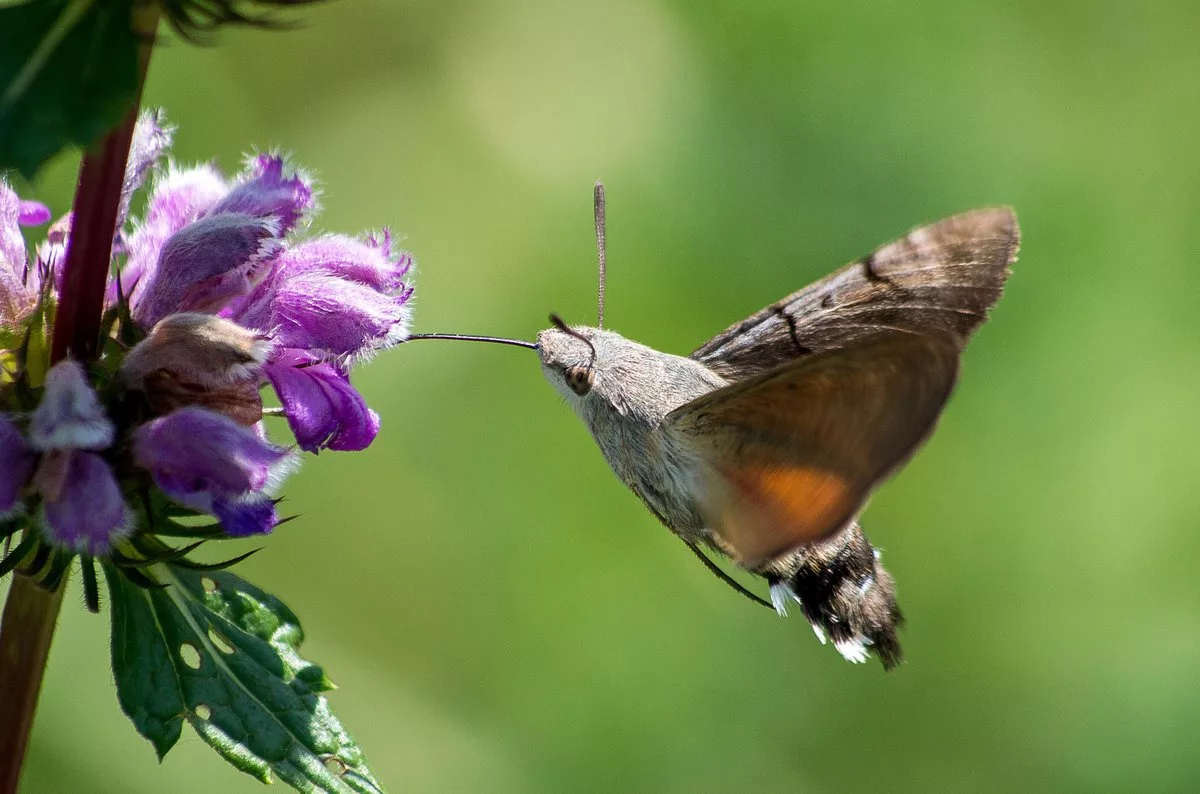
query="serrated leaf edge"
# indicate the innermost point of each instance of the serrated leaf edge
(179, 595)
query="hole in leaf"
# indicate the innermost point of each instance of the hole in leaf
(335, 765)
(209, 585)
(219, 640)
(190, 656)
(202, 711)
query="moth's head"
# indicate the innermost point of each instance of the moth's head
(570, 357)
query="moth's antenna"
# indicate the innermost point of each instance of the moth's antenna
(560, 325)
(500, 340)
(598, 205)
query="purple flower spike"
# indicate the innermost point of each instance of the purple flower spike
(205, 460)
(32, 213)
(86, 512)
(322, 408)
(207, 264)
(69, 415)
(265, 192)
(16, 464)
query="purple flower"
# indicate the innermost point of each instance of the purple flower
(224, 301)
(179, 197)
(209, 462)
(206, 264)
(16, 464)
(203, 241)
(322, 408)
(83, 509)
(70, 415)
(333, 297)
(327, 301)
(264, 192)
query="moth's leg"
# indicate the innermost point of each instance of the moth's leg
(724, 577)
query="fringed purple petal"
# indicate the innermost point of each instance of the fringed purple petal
(206, 264)
(179, 197)
(151, 139)
(70, 415)
(16, 464)
(193, 451)
(322, 408)
(335, 318)
(265, 192)
(87, 512)
(246, 517)
(367, 262)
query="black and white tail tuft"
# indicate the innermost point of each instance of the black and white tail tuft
(845, 593)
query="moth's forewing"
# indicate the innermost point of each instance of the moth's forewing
(790, 456)
(938, 279)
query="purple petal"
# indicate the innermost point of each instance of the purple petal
(193, 451)
(12, 242)
(87, 513)
(265, 192)
(246, 517)
(332, 317)
(179, 198)
(206, 264)
(16, 464)
(370, 262)
(322, 408)
(151, 139)
(32, 213)
(70, 415)
(17, 298)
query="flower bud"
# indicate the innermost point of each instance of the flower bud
(199, 359)
(70, 415)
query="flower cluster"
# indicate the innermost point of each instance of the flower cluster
(213, 295)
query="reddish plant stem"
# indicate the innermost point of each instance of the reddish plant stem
(30, 613)
(89, 249)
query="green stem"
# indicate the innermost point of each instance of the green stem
(30, 613)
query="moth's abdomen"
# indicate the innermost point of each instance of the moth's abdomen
(845, 593)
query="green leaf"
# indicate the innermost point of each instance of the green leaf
(68, 74)
(214, 650)
(147, 685)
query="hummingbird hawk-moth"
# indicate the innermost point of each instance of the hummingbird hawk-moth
(764, 444)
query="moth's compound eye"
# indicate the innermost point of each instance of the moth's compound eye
(580, 379)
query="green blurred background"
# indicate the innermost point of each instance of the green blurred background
(501, 615)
